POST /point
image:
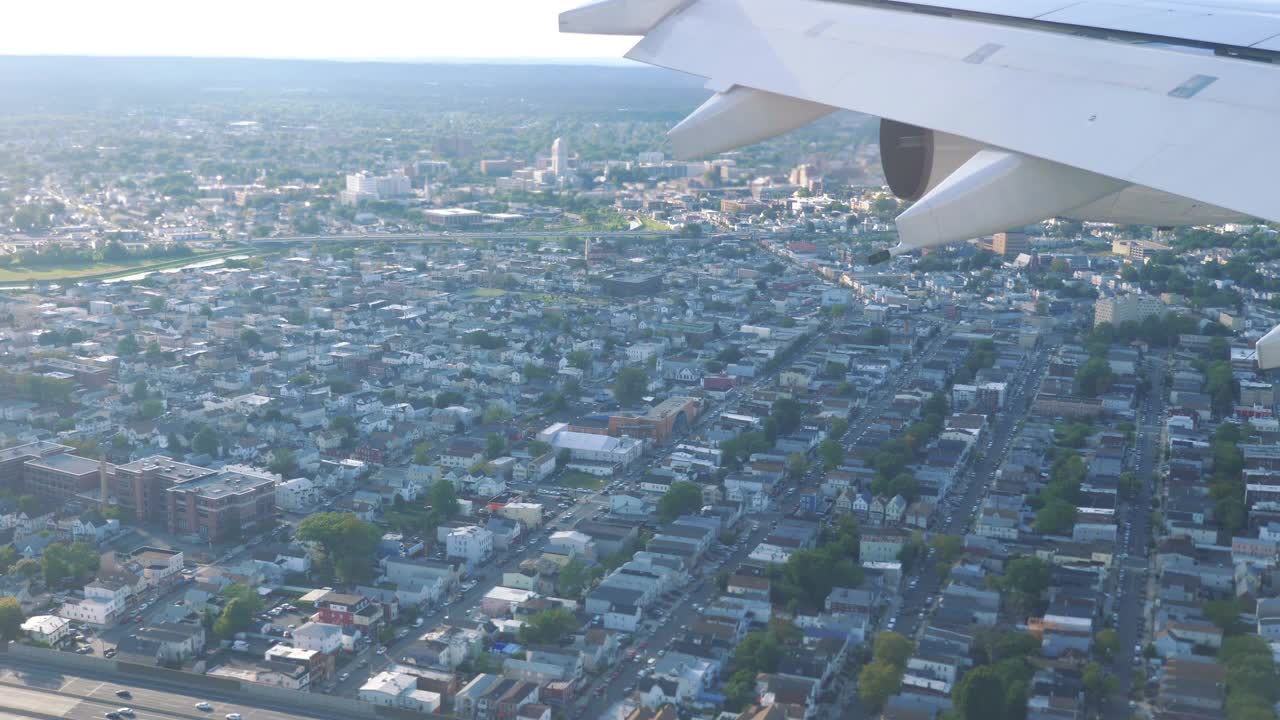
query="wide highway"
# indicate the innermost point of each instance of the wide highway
(41, 692)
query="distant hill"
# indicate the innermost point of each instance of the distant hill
(61, 84)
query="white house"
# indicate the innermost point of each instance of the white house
(471, 544)
(297, 495)
(103, 602)
(394, 689)
(321, 637)
(48, 629)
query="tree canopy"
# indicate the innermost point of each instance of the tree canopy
(808, 576)
(681, 498)
(346, 541)
(11, 618)
(631, 385)
(62, 562)
(548, 627)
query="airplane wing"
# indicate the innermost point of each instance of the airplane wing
(996, 113)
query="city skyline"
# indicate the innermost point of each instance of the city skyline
(385, 30)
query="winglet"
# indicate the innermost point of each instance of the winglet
(618, 17)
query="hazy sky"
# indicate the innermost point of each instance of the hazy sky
(356, 29)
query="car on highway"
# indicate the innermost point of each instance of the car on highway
(204, 707)
(232, 716)
(127, 712)
(124, 694)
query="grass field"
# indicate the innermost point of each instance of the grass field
(581, 481)
(106, 271)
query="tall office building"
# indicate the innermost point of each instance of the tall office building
(559, 157)
(1010, 244)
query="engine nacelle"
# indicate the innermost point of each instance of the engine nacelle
(916, 159)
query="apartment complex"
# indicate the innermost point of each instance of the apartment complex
(1126, 308)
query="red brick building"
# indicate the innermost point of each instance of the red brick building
(347, 610)
(221, 506)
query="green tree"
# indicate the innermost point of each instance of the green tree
(680, 499)
(1107, 642)
(580, 359)
(548, 627)
(27, 568)
(1056, 518)
(235, 617)
(61, 562)
(282, 462)
(128, 346)
(346, 542)
(1098, 683)
(495, 413)
(797, 465)
(838, 428)
(250, 338)
(740, 690)
(151, 409)
(948, 548)
(575, 577)
(1094, 377)
(786, 414)
(443, 499)
(8, 557)
(205, 441)
(980, 695)
(878, 681)
(1026, 579)
(422, 453)
(831, 452)
(494, 445)
(139, 392)
(631, 385)
(1128, 485)
(893, 648)
(1225, 614)
(344, 424)
(11, 618)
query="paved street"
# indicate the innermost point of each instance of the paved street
(681, 615)
(974, 485)
(27, 690)
(1131, 586)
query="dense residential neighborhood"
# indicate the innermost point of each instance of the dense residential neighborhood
(533, 435)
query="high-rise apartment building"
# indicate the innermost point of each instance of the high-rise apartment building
(1126, 308)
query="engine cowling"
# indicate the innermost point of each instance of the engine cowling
(916, 159)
